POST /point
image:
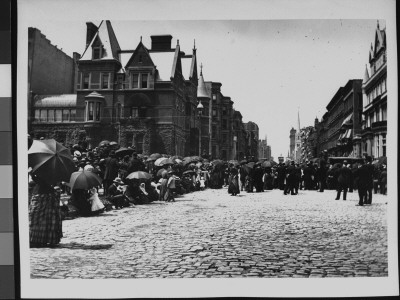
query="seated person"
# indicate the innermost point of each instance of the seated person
(116, 194)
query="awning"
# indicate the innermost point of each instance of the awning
(348, 134)
(348, 120)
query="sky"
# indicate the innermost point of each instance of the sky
(273, 70)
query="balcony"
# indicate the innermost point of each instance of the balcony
(380, 125)
(366, 131)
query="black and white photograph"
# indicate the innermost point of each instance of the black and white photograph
(207, 148)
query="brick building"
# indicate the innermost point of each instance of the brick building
(148, 98)
(374, 128)
(44, 76)
(341, 123)
(144, 98)
(252, 132)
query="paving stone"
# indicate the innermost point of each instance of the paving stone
(323, 239)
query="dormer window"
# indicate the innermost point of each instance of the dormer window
(96, 52)
(140, 80)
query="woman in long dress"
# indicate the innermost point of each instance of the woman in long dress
(45, 222)
(233, 187)
(96, 205)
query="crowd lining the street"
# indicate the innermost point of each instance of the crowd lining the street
(127, 178)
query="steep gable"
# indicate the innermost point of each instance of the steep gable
(104, 37)
(140, 57)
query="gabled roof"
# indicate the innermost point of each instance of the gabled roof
(106, 36)
(139, 47)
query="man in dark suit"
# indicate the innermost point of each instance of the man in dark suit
(111, 170)
(135, 164)
(344, 176)
(290, 179)
(370, 182)
(362, 174)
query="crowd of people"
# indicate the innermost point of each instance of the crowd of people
(135, 179)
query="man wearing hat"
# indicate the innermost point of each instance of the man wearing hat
(135, 164)
(344, 178)
(111, 169)
(115, 194)
(370, 183)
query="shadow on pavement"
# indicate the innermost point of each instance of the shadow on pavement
(84, 246)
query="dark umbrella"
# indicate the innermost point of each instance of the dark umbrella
(113, 143)
(247, 168)
(243, 162)
(159, 160)
(166, 161)
(124, 151)
(50, 161)
(138, 175)
(251, 164)
(103, 143)
(189, 172)
(217, 162)
(160, 172)
(266, 164)
(154, 156)
(84, 180)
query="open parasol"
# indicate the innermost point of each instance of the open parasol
(139, 175)
(103, 143)
(84, 180)
(50, 161)
(121, 152)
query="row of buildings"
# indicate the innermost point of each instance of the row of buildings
(355, 121)
(151, 98)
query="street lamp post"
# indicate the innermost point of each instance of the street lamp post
(200, 113)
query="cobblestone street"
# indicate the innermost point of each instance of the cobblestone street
(211, 234)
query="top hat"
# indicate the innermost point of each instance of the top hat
(118, 180)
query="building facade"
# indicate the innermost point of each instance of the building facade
(44, 76)
(374, 87)
(340, 126)
(149, 98)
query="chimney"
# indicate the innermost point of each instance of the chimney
(91, 30)
(161, 42)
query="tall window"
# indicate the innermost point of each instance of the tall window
(224, 112)
(134, 112)
(97, 111)
(86, 81)
(65, 116)
(50, 116)
(96, 52)
(104, 80)
(73, 115)
(135, 81)
(384, 113)
(383, 144)
(91, 112)
(58, 116)
(214, 97)
(43, 115)
(144, 81)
